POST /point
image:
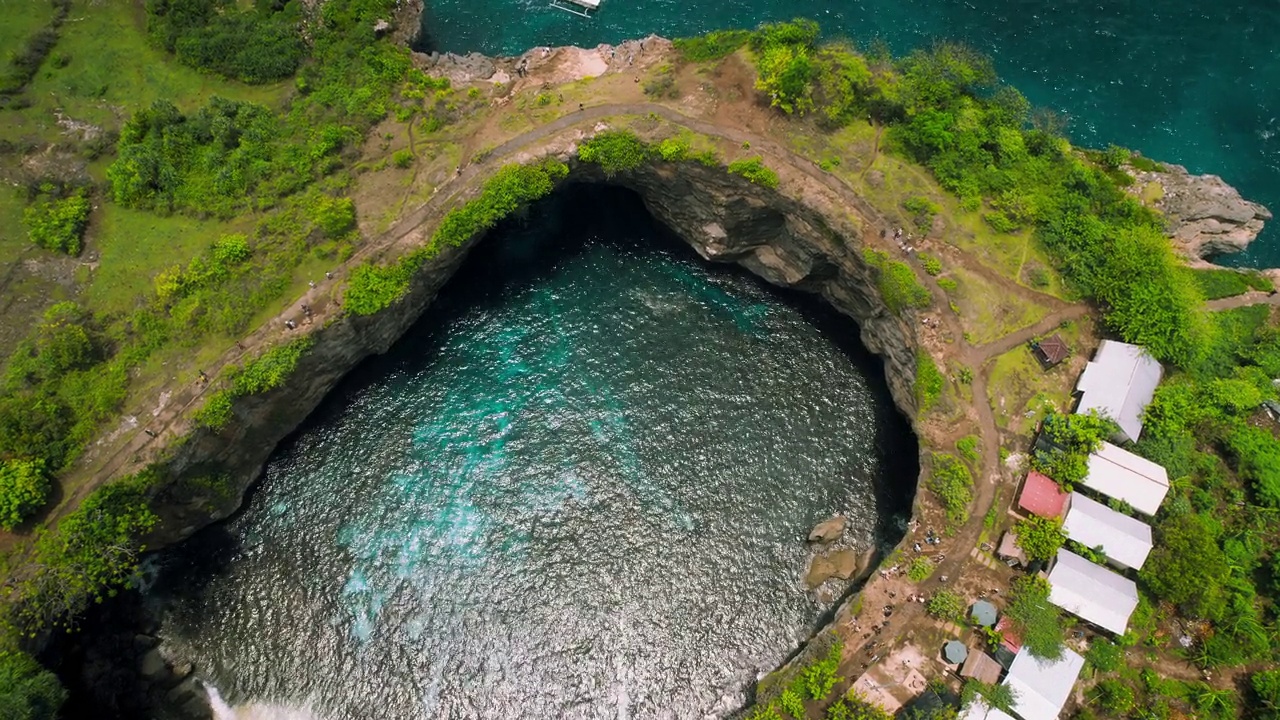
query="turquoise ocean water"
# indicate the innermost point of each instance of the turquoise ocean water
(1189, 82)
(579, 489)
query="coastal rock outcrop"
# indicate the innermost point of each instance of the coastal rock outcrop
(1204, 215)
(841, 565)
(828, 530)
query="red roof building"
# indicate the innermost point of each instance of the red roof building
(1042, 496)
(1008, 636)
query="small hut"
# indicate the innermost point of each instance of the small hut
(982, 667)
(1050, 351)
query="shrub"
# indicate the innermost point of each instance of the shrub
(950, 480)
(1265, 685)
(24, 489)
(754, 170)
(216, 411)
(1114, 696)
(1220, 283)
(948, 284)
(897, 283)
(945, 605)
(92, 551)
(1104, 655)
(674, 149)
(58, 224)
(335, 216)
(1187, 567)
(854, 707)
(785, 69)
(922, 211)
(818, 678)
(253, 47)
(1039, 537)
(402, 158)
(967, 446)
(1038, 622)
(920, 569)
(614, 151)
(1257, 455)
(1073, 438)
(929, 381)
(712, 46)
(792, 704)
(28, 691)
(931, 263)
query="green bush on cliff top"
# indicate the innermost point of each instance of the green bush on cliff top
(614, 151)
(24, 488)
(754, 169)
(373, 288)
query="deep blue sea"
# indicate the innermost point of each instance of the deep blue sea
(579, 488)
(1183, 81)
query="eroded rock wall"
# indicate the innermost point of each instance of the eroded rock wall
(722, 216)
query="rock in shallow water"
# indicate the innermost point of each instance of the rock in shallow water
(828, 530)
(841, 564)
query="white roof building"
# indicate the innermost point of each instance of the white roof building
(1092, 592)
(1041, 687)
(1118, 473)
(978, 710)
(1119, 383)
(1124, 540)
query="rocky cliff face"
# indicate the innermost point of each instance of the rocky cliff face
(722, 216)
(1204, 215)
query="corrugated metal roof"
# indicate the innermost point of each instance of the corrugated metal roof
(1092, 592)
(1118, 473)
(1041, 687)
(1119, 382)
(1042, 496)
(978, 710)
(1124, 540)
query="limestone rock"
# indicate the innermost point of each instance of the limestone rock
(460, 69)
(184, 691)
(1204, 215)
(828, 530)
(841, 564)
(153, 667)
(144, 642)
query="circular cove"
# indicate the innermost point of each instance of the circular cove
(579, 487)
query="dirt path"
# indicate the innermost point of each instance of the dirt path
(1253, 297)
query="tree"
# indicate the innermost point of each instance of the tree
(23, 490)
(1039, 537)
(945, 605)
(1038, 622)
(1186, 567)
(996, 696)
(28, 691)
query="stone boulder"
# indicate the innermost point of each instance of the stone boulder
(828, 530)
(841, 564)
(1203, 214)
